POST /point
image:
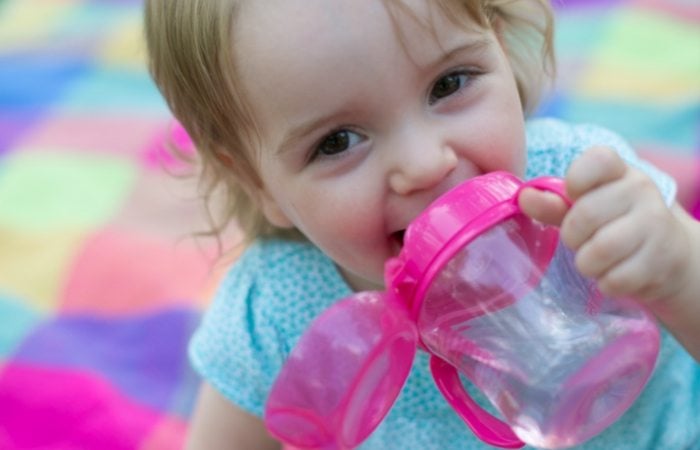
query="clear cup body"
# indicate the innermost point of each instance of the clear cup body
(558, 360)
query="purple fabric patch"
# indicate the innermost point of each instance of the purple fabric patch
(145, 357)
(566, 4)
(15, 124)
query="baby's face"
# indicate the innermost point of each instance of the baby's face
(364, 126)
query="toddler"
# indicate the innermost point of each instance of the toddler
(331, 124)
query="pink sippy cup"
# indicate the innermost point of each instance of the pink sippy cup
(493, 296)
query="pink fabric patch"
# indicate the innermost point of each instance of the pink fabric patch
(118, 272)
(122, 135)
(686, 10)
(71, 410)
(685, 169)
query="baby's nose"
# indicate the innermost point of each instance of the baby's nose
(418, 169)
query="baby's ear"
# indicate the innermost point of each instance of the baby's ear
(273, 213)
(224, 158)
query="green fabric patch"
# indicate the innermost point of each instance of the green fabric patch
(578, 33)
(653, 44)
(41, 190)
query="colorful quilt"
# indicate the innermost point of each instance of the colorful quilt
(101, 281)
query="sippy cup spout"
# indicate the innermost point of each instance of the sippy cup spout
(400, 282)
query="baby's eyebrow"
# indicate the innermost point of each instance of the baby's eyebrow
(300, 131)
(471, 46)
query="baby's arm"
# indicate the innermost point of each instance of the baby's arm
(218, 424)
(627, 239)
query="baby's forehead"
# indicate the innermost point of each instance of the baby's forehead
(301, 26)
(435, 23)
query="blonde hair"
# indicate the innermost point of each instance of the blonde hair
(191, 61)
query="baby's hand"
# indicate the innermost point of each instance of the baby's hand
(623, 233)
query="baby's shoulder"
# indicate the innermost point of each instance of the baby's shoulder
(275, 261)
(276, 275)
(552, 144)
(279, 257)
(546, 133)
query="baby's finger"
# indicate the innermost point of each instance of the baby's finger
(625, 279)
(593, 211)
(609, 246)
(543, 206)
(636, 277)
(650, 271)
(595, 167)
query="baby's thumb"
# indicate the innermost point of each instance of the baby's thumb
(543, 206)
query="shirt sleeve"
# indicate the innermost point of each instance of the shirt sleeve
(262, 307)
(235, 347)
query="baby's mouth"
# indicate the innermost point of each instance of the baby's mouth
(397, 241)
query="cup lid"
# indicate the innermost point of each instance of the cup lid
(470, 207)
(344, 374)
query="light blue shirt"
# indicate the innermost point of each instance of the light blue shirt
(277, 287)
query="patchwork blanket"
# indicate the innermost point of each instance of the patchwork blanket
(101, 281)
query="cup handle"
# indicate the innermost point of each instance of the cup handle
(485, 426)
(555, 185)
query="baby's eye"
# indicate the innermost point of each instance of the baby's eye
(337, 142)
(448, 85)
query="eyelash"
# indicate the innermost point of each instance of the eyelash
(469, 75)
(317, 153)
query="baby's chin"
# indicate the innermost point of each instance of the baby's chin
(359, 283)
